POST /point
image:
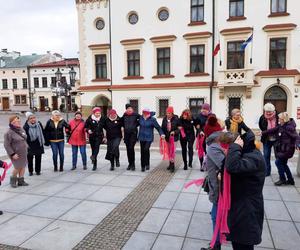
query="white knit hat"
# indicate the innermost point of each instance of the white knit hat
(56, 112)
(28, 114)
(269, 107)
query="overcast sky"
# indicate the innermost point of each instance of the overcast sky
(36, 26)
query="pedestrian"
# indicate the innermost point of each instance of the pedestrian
(187, 137)
(94, 126)
(113, 126)
(170, 126)
(2, 165)
(130, 122)
(212, 125)
(235, 123)
(55, 137)
(16, 147)
(77, 139)
(215, 166)
(147, 124)
(268, 120)
(35, 140)
(246, 166)
(287, 140)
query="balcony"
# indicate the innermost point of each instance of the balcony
(236, 78)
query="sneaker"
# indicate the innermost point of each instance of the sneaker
(280, 182)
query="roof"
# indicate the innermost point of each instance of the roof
(63, 63)
(21, 61)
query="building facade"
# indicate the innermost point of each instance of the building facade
(43, 85)
(14, 79)
(161, 53)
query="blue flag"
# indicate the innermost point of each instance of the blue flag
(249, 40)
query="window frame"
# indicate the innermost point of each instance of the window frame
(14, 83)
(197, 57)
(277, 51)
(236, 9)
(135, 62)
(25, 83)
(196, 6)
(234, 53)
(163, 60)
(36, 82)
(4, 83)
(44, 83)
(234, 98)
(20, 100)
(197, 99)
(102, 65)
(277, 6)
(162, 109)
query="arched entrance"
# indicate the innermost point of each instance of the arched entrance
(103, 102)
(278, 97)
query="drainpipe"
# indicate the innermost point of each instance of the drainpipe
(212, 56)
(29, 87)
(110, 52)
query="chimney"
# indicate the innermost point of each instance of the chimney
(4, 50)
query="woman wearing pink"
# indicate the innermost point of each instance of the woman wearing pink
(77, 138)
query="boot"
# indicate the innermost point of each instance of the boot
(290, 182)
(21, 182)
(133, 167)
(30, 174)
(280, 182)
(61, 168)
(169, 167)
(73, 168)
(143, 168)
(112, 165)
(129, 167)
(94, 165)
(84, 167)
(13, 181)
(172, 167)
(185, 165)
(147, 167)
(1, 212)
(117, 163)
(92, 159)
(190, 164)
(55, 168)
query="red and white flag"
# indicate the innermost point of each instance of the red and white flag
(217, 49)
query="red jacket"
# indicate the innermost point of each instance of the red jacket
(78, 137)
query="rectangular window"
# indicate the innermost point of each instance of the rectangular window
(25, 84)
(23, 99)
(44, 82)
(36, 82)
(101, 66)
(135, 105)
(277, 58)
(278, 6)
(236, 8)
(197, 10)
(15, 83)
(235, 55)
(197, 59)
(195, 105)
(163, 61)
(4, 84)
(133, 63)
(163, 104)
(233, 103)
(20, 99)
(53, 82)
(17, 99)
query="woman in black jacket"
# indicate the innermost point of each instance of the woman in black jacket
(113, 126)
(246, 166)
(35, 141)
(170, 127)
(235, 123)
(187, 137)
(94, 126)
(55, 137)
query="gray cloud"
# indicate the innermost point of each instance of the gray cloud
(36, 26)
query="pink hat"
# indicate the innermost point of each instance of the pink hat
(170, 109)
(96, 109)
(112, 112)
(206, 106)
(146, 110)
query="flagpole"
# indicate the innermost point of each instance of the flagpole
(212, 55)
(252, 45)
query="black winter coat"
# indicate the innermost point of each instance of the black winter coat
(130, 123)
(174, 127)
(246, 215)
(241, 126)
(55, 133)
(286, 139)
(113, 128)
(201, 121)
(189, 128)
(263, 125)
(96, 127)
(34, 147)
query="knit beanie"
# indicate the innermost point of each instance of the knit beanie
(170, 109)
(56, 112)
(269, 107)
(128, 105)
(96, 109)
(206, 106)
(78, 113)
(28, 114)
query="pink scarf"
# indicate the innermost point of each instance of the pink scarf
(6, 167)
(172, 148)
(199, 145)
(182, 133)
(164, 149)
(271, 120)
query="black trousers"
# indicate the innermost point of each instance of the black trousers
(130, 141)
(113, 151)
(237, 246)
(95, 146)
(38, 160)
(187, 144)
(145, 153)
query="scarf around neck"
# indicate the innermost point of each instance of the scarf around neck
(234, 124)
(17, 130)
(35, 132)
(96, 118)
(271, 119)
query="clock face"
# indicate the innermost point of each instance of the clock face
(133, 18)
(163, 15)
(100, 24)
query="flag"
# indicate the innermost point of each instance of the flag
(217, 49)
(244, 44)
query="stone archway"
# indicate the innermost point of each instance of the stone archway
(278, 97)
(103, 102)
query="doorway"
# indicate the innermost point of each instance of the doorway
(5, 103)
(278, 97)
(42, 103)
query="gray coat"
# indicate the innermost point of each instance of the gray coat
(15, 143)
(215, 161)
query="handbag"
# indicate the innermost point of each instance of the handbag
(205, 185)
(68, 135)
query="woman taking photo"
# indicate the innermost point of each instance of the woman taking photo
(16, 148)
(235, 123)
(77, 139)
(94, 126)
(287, 140)
(113, 125)
(187, 137)
(147, 124)
(55, 137)
(35, 141)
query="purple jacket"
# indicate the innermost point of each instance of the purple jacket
(286, 139)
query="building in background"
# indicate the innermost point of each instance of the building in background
(43, 82)
(159, 53)
(14, 78)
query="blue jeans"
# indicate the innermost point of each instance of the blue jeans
(267, 155)
(58, 148)
(82, 150)
(283, 169)
(213, 214)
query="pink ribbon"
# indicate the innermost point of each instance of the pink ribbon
(172, 148)
(164, 149)
(183, 135)
(199, 145)
(198, 182)
(6, 167)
